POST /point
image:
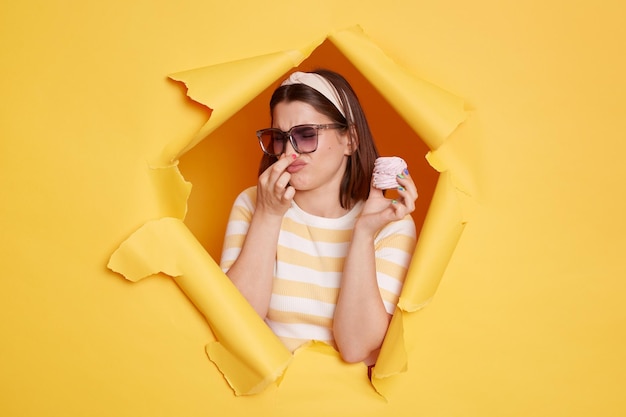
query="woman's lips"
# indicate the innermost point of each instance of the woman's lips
(295, 167)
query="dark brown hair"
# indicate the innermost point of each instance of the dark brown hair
(355, 185)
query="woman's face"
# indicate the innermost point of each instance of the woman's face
(320, 170)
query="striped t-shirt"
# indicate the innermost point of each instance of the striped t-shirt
(309, 263)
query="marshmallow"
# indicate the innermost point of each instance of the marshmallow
(386, 170)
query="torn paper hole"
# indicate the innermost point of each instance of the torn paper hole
(168, 246)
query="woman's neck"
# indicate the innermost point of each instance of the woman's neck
(320, 204)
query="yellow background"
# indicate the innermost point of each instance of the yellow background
(529, 318)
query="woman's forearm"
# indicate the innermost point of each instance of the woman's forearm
(253, 271)
(360, 321)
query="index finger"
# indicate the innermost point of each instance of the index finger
(278, 167)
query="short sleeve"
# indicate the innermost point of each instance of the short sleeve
(237, 227)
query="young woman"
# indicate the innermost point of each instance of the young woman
(317, 250)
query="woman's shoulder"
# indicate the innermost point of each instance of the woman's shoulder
(247, 197)
(250, 192)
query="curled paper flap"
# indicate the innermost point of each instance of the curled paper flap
(432, 112)
(171, 189)
(249, 354)
(440, 234)
(227, 87)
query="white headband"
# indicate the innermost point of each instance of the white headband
(318, 83)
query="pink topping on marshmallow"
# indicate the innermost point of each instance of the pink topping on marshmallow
(386, 169)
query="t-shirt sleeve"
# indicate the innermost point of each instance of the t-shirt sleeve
(237, 227)
(394, 247)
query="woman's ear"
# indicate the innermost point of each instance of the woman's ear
(353, 140)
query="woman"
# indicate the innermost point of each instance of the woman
(317, 251)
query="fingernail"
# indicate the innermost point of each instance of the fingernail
(400, 176)
(400, 188)
(293, 156)
(406, 171)
(394, 201)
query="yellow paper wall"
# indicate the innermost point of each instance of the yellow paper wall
(529, 317)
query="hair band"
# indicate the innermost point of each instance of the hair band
(318, 83)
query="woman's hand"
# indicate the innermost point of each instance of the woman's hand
(379, 211)
(274, 194)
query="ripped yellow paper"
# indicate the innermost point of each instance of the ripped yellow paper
(432, 112)
(246, 352)
(167, 246)
(227, 87)
(440, 234)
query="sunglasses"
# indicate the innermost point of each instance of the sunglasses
(303, 138)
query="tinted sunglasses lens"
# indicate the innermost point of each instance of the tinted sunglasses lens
(272, 141)
(305, 138)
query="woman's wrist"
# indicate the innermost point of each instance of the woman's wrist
(267, 217)
(363, 232)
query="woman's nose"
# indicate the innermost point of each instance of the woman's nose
(289, 149)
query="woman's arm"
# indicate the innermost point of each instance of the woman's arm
(253, 270)
(361, 320)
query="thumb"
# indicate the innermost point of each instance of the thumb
(375, 192)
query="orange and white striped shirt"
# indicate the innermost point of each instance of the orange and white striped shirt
(309, 263)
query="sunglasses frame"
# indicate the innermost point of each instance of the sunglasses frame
(288, 136)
